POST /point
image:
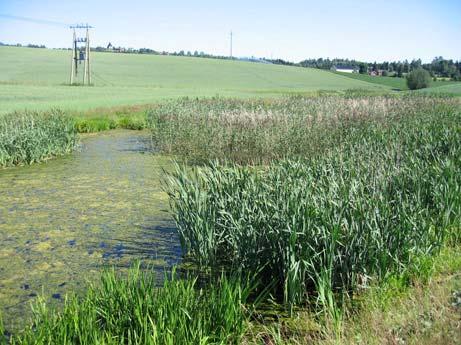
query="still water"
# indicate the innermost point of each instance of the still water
(62, 221)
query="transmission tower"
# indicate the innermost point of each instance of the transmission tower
(80, 54)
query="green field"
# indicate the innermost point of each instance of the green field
(450, 89)
(35, 79)
(397, 84)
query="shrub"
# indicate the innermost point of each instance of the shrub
(418, 79)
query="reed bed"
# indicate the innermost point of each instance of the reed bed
(259, 131)
(132, 309)
(31, 137)
(381, 190)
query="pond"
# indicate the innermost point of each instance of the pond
(62, 221)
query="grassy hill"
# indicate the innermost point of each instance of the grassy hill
(398, 84)
(450, 89)
(36, 79)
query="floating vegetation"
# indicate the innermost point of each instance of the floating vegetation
(61, 222)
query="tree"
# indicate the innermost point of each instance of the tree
(418, 79)
(363, 68)
(399, 69)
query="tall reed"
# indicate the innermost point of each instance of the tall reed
(133, 310)
(386, 190)
(259, 131)
(30, 137)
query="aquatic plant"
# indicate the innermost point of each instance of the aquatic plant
(385, 190)
(92, 124)
(31, 137)
(132, 309)
(259, 131)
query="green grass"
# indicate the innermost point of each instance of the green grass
(398, 84)
(258, 131)
(381, 189)
(29, 137)
(451, 89)
(91, 124)
(131, 309)
(35, 78)
(341, 195)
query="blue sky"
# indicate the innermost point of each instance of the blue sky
(294, 30)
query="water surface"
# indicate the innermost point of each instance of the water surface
(62, 221)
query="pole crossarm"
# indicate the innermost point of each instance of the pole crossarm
(80, 53)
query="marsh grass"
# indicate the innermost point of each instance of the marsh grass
(381, 189)
(30, 137)
(93, 124)
(132, 309)
(259, 131)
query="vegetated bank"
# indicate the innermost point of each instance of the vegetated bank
(31, 137)
(351, 195)
(132, 309)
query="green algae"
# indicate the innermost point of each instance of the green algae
(61, 221)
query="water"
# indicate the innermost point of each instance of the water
(62, 221)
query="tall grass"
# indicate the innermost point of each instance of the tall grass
(384, 189)
(133, 310)
(29, 137)
(258, 131)
(90, 124)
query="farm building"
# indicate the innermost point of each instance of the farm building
(345, 69)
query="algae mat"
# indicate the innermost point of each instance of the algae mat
(62, 221)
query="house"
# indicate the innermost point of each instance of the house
(377, 73)
(112, 48)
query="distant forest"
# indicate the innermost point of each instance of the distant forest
(439, 67)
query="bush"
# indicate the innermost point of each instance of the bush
(418, 79)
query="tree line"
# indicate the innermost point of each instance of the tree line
(438, 67)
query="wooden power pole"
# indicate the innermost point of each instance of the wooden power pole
(80, 54)
(231, 36)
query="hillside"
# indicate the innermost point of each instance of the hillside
(36, 79)
(397, 84)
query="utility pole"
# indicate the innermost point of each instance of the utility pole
(231, 34)
(73, 61)
(80, 54)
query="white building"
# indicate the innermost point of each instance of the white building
(345, 69)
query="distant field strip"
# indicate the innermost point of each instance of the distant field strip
(394, 83)
(35, 79)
